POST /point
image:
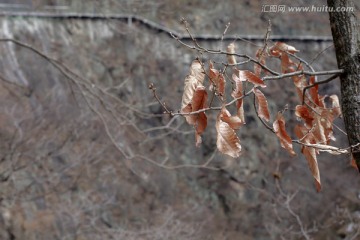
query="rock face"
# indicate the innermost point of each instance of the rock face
(86, 152)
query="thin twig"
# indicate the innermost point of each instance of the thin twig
(220, 52)
(235, 64)
(204, 165)
(188, 31)
(357, 233)
(51, 60)
(328, 148)
(153, 89)
(301, 60)
(302, 72)
(222, 36)
(266, 39)
(288, 207)
(161, 127)
(214, 108)
(79, 82)
(321, 52)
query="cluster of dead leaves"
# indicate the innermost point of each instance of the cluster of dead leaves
(315, 132)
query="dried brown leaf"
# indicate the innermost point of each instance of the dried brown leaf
(314, 92)
(190, 119)
(285, 47)
(192, 81)
(320, 124)
(336, 110)
(235, 122)
(310, 152)
(238, 93)
(199, 99)
(280, 131)
(299, 82)
(200, 127)
(245, 75)
(310, 155)
(261, 55)
(281, 50)
(213, 75)
(303, 112)
(320, 132)
(227, 140)
(286, 63)
(263, 109)
(221, 85)
(217, 79)
(198, 120)
(299, 131)
(231, 50)
(327, 119)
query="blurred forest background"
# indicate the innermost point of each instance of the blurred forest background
(86, 153)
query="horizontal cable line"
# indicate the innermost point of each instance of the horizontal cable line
(130, 19)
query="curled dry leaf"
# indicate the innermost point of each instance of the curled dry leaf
(231, 50)
(327, 119)
(286, 63)
(309, 152)
(192, 81)
(303, 112)
(227, 140)
(245, 75)
(283, 47)
(213, 74)
(238, 94)
(200, 128)
(320, 123)
(221, 85)
(199, 120)
(261, 55)
(316, 116)
(314, 92)
(323, 129)
(300, 83)
(263, 109)
(199, 99)
(310, 155)
(216, 79)
(234, 121)
(336, 110)
(281, 51)
(280, 131)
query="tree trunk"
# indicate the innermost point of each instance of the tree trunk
(346, 37)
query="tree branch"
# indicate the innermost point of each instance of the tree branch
(307, 73)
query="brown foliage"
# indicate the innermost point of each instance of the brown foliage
(263, 109)
(227, 141)
(280, 131)
(195, 78)
(314, 135)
